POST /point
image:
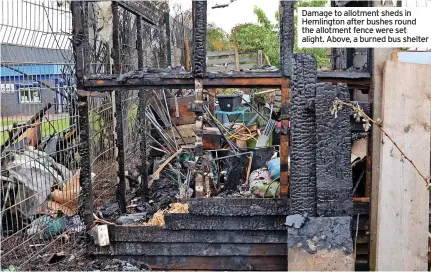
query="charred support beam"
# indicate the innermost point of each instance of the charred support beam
(368, 175)
(168, 37)
(303, 129)
(138, 10)
(199, 65)
(85, 207)
(333, 166)
(286, 53)
(321, 174)
(118, 131)
(80, 43)
(199, 37)
(80, 37)
(143, 142)
(142, 113)
(287, 36)
(199, 177)
(102, 83)
(284, 139)
(139, 44)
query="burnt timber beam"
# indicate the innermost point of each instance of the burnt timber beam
(138, 10)
(199, 65)
(107, 83)
(286, 55)
(287, 36)
(118, 131)
(333, 166)
(303, 129)
(81, 48)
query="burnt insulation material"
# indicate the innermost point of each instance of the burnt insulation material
(303, 131)
(333, 154)
(321, 233)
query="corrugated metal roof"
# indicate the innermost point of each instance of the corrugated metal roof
(32, 70)
(23, 54)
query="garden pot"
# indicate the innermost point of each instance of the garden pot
(229, 102)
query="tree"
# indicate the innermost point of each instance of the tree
(321, 54)
(217, 38)
(261, 36)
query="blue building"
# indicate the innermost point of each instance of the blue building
(34, 76)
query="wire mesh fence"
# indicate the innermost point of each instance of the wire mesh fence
(39, 127)
(38, 131)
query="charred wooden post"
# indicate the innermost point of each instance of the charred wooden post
(142, 113)
(168, 37)
(286, 49)
(81, 45)
(303, 129)
(139, 44)
(143, 142)
(287, 36)
(118, 131)
(333, 166)
(199, 66)
(321, 174)
(85, 206)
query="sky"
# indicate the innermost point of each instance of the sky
(240, 11)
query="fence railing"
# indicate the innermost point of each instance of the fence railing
(225, 61)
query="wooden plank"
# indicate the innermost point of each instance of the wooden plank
(196, 222)
(375, 95)
(252, 58)
(402, 224)
(220, 53)
(230, 67)
(229, 60)
(239, 206)
(146, 234)
(192, 249)
(267, 263)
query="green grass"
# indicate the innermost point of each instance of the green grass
(47, 128)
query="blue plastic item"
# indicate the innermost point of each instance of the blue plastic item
(274, 168)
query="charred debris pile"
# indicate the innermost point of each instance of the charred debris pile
(240, 152)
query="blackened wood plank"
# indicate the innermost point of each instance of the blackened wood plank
(267, 263)
(159, 235)
(191, 249)
(196, 222)
(239, 206)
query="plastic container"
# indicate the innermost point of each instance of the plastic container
(274, 168)
(229, 102)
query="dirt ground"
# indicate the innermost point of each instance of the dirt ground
(71, 256)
